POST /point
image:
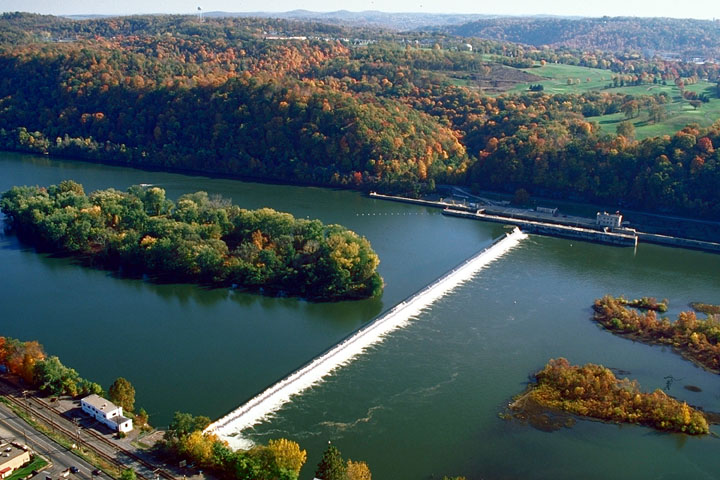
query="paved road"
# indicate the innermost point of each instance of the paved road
(14, 428)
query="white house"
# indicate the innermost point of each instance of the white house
(106, 412)
(612, 220)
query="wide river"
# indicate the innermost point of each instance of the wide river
(422, 404)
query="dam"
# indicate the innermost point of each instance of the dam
(230, 426)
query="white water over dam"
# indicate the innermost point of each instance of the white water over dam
(261, 406)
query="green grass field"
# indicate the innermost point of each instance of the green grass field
(557, 78)
(36, 464)
(679, 111)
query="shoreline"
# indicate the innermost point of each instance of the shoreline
(669, 216)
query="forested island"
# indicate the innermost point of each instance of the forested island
(694, 338)
(593, 391)
(198, 239)
(361, 108)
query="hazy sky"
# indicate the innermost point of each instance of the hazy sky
(707, 9)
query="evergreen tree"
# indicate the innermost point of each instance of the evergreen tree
(331, 466)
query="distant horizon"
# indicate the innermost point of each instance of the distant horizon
(701, 9)
(280, 12)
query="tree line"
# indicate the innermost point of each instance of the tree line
(280, 459)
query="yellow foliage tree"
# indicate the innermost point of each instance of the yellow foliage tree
(288, 455)
(199, 447)
(358, 471)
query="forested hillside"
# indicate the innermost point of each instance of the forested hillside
(685, 37)
(395, 113)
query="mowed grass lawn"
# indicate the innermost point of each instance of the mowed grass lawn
(679, 111)
(557, 78)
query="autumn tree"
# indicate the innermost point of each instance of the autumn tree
(142, 418)
(630, 108)
(358, 471)
(626, 129)
(289, 458)
(657, 113)
(199, 447)
(122, 393)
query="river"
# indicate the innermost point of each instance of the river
(422, 404)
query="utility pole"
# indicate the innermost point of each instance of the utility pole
(27, 402)
(76, 421)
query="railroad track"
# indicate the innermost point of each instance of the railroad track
(19, 401)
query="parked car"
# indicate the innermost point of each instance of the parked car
(74, 470)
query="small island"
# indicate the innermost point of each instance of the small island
(694, 338)
(198, 239)
(593, 391)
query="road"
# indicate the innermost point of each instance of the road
(13, 428)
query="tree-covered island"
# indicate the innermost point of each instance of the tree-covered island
(694, 338)
(593, 391)
(199, 239)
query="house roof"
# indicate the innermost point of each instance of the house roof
(120, 419)
(100, 403)
(12, 453)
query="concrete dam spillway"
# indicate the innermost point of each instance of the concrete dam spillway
(230, 426)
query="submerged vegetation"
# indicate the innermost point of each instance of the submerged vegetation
(645, 303)
(705, 308)
(198, 239)
(593, 391)
(696, 339)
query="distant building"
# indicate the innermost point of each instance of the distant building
(283, 37)
(467, 47)
(106, 412)
(12, 457)
(551, 211)
(612, 220)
